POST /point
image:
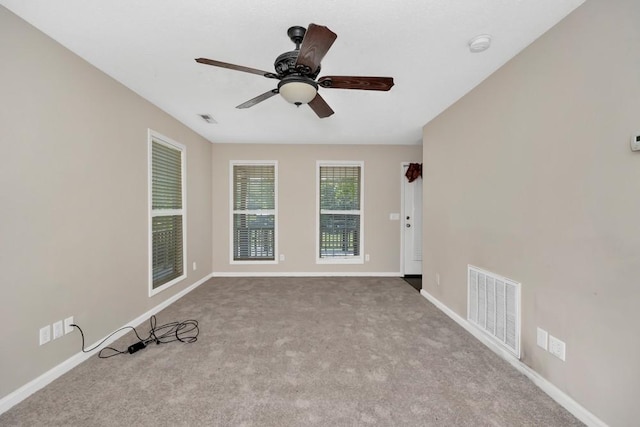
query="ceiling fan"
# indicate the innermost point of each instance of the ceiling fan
(297, 71)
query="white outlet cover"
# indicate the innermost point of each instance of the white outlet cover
(557, 347)
(542, 338)
(45, 334)
(67, 325)
(58, 330)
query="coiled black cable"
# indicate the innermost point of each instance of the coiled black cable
(186, 332)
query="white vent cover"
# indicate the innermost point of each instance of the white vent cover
(494, 307)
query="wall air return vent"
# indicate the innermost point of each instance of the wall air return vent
(494, 307)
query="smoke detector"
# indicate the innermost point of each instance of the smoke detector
(480, 43)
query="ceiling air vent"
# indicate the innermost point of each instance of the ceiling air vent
(208, 118)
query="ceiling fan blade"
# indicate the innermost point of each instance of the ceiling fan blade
(355, 82)
(257, 99)
(236, 67)
(315, 44)
(320, 107)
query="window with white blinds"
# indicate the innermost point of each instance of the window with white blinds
(167, 212)
(340, 201)
(253, 213)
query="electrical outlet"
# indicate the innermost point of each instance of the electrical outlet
(45, 334)
(367, 258)
(281, 257)
(438, 279)
(195, 267)
(542, 337)
(58, 330)
(557, 347)
(67, 325)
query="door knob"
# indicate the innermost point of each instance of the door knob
(408, 225)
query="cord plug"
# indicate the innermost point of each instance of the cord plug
(136, 347)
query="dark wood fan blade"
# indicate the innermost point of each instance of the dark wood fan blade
(236, 67)
(317, 41)
(257, 99)
(320, 107)
(354, 82)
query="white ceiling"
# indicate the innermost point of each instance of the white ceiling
(150, 46)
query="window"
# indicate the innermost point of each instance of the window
(253, 212)
(167, 223)
(339, 212)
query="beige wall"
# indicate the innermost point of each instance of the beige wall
(531, 176)
(297, 204)
(73, 191)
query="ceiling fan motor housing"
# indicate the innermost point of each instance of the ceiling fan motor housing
(285, 65)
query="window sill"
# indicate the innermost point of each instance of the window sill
(154, 291)
(335, 261)
(254, 262)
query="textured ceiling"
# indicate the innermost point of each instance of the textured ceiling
(150, 46)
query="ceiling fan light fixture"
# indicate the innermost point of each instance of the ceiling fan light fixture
(297, 90)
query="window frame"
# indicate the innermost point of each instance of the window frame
(275, 259)
(152, 137)
(340, 259)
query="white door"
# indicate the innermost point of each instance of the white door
(412, 224)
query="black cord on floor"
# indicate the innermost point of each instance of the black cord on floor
(185, 332)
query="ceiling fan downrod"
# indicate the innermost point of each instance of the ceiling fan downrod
(296, 34)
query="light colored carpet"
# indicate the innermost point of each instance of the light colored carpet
(298, 352)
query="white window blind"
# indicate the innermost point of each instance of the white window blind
(167, 214)
(254, 212)
(340, 214)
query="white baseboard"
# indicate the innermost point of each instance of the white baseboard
(305, 274)
(554, 392)
(31, 387)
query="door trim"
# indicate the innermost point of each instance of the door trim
(403, 214)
